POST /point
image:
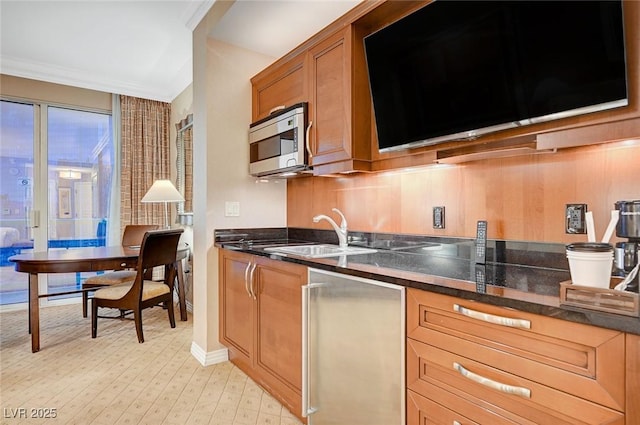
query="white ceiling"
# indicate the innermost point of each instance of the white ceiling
(143, 48)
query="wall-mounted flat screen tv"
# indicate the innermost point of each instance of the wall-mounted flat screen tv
(456, 70)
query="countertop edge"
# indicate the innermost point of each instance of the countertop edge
(504, 297)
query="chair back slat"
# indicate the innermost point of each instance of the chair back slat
(133, 233)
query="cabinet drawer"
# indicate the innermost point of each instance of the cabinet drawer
(431, 370)
(431, 410)
(581, 360)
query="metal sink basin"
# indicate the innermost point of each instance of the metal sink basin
(320, 251)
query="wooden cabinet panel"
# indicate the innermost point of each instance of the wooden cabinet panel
(279, 326)
(633, 379)
(236, 307)
(330, 100)
(282, 85)
(261, 322)
(427, 411)
(431, 369)
(579, 359)
(539, 368)
(339, 103)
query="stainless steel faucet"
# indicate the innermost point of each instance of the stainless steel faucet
(341, 230)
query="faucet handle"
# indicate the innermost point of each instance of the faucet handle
(343, 223)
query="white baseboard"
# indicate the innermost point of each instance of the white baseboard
(209, 358)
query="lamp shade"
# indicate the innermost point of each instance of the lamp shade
(162, 191)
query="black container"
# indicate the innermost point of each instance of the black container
(589, 247)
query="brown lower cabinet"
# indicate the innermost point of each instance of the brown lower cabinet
(261, 322)
(469, 362)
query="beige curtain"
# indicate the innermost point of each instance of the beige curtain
(145, 157)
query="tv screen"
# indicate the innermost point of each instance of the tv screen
(456, 70)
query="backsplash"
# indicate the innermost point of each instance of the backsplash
(522, 198)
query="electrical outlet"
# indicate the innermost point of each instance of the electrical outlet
(574, 219)
(438, 217)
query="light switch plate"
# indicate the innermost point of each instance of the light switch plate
(574, 219)
(232, 209)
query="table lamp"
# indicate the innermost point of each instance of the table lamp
(163, 191)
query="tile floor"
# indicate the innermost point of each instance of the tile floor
(114, 380)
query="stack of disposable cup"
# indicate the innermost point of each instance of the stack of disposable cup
(590, 263)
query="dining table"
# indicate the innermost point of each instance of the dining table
(76, 260)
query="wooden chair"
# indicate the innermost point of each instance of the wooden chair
(158, 249)
(132, 236)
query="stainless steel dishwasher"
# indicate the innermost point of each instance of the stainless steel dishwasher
(353, 363)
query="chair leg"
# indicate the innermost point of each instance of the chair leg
(85, 300)
(172, 319)
(137, 317)
(94, 318)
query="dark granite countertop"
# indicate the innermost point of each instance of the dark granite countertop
(521, 275)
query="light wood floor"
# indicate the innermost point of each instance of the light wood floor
(115, 380)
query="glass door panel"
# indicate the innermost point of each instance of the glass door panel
(79, 170)
(17, 129)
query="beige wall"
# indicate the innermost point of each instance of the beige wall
(222, 113)
(40, 91)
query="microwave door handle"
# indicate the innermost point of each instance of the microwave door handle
(307, 141)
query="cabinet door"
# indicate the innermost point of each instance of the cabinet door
(236, 305)
(279, 85)
(330, 98)
(278, 356)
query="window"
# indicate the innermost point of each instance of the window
(65, 175)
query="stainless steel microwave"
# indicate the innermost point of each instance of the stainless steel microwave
(277, 143)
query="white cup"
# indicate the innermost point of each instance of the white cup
(590, 264)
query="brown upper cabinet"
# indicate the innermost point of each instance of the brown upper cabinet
(339, 104)
(276, 86)
(329, 72)
(331, 76)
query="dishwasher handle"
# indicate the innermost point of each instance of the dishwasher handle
(306, 299)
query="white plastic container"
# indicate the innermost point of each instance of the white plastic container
(590, 263)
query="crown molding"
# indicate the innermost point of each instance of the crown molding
(79, 78)
(196, 12)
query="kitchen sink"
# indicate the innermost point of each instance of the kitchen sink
(320, 251)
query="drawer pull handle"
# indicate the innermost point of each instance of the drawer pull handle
(246, 279)
(456, 423)
(251, 280)
(491, 318)
(123, 264)
(508, 389)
